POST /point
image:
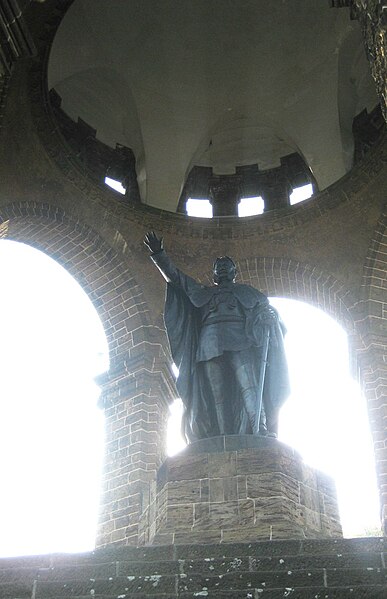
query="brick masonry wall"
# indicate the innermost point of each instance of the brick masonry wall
(373, 360)
(329, 251)
(137, 388)
(4, 79)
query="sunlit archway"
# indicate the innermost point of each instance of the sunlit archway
(325, 418)
(52, 345)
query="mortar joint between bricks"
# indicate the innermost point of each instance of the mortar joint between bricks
(181, 566)
(177, 576)
(252, 563)
(325, 577)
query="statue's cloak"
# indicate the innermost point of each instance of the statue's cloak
(183, 320)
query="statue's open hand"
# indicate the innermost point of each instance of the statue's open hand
(153, 243)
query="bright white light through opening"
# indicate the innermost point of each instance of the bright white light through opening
(116, 185)
(52, 344)
(325, 418)
(251, 206)
(300, 194)
(201, 208)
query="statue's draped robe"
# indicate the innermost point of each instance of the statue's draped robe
(185, 301)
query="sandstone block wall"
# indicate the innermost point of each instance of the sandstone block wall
(238, 488)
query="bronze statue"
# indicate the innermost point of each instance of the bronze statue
(227, 342)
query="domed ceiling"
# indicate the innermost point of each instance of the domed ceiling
(218, 83)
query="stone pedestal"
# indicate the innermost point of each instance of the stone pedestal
(239, 488)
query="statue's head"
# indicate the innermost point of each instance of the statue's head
(224, 270)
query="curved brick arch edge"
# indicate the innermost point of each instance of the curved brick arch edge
(373, 363)
(109, 284)
(283, 277)
(375, 269)
(374, 287)
(366, 335)
(346, 190)
(138, 386)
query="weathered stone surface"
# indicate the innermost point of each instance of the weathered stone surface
(278, 548)
(216, 489)
(179, 516)
(277, 509)
(198, 537)
(273, 483)
(261, 492)
(305, 569)
(185, 493)
(231, 581)
(222, 464)
(362, 592)
(181, 469)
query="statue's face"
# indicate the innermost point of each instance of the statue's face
(224, 270)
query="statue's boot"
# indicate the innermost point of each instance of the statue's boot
(263, 426)
(265, 433)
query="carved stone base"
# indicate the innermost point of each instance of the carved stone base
(239, 488)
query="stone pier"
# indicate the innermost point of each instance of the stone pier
(239, 488)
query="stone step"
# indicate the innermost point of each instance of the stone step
(280, 548)
(354, 592)
(237, 570)
(368, 561)
(90, 565)
(261, 549)
(206, 566)
(195, 584)
(293, 592)
(290, 579)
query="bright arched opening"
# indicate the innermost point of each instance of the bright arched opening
(52, 344)
(325, 418)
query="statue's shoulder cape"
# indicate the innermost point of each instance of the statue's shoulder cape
(246, 295)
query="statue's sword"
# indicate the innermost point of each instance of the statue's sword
(262, 372)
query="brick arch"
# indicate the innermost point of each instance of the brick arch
(362, 318)
(136, 389)
(373, 358)
(110, 285)
(374, 274)
(298, 280)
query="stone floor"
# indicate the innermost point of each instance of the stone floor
(309, 569)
